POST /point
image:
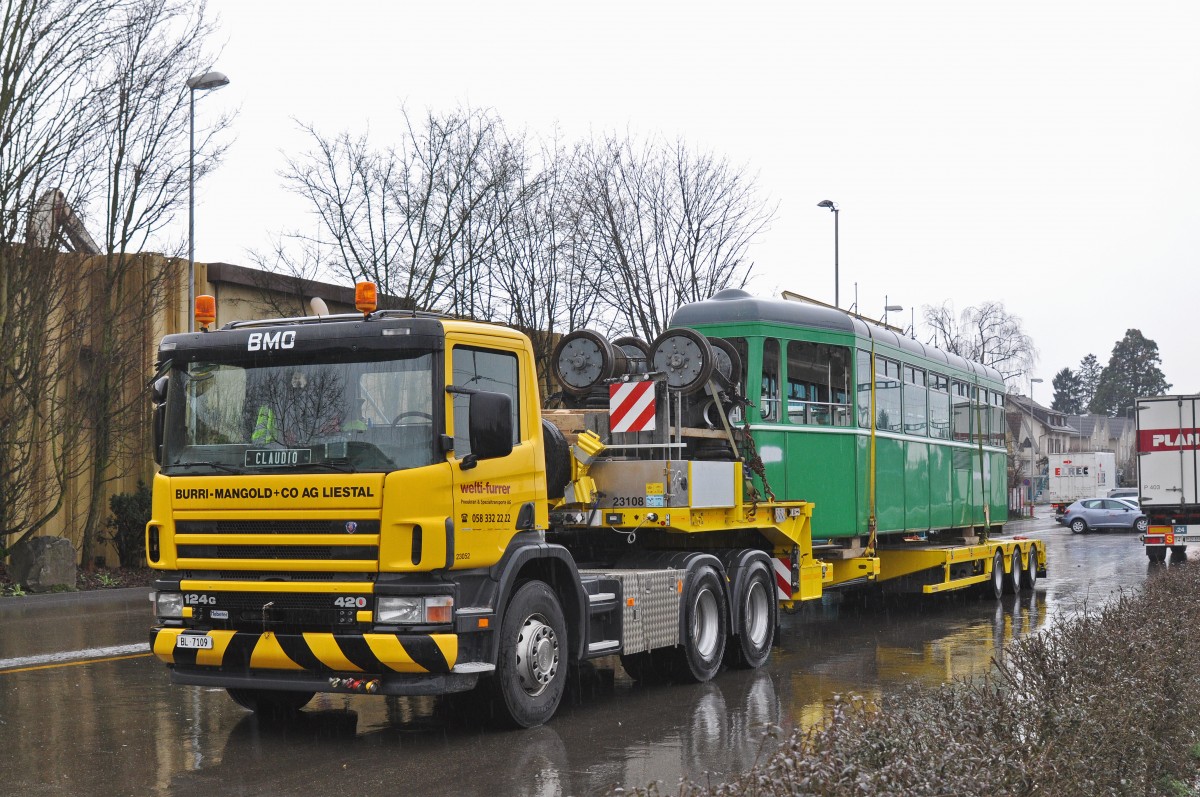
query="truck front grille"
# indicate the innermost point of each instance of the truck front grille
(306, 552)
(344, 527)
(279, 612)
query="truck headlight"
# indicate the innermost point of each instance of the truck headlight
(418, 610)
(169, 605)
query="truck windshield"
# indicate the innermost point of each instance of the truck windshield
(360, 416)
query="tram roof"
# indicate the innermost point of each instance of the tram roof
(733, 305)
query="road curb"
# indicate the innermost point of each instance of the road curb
(78, 596)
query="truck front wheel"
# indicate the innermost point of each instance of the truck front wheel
(531, 672)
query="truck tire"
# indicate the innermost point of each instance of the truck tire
(1012, 584)
(994, 587)
(1157, 554)
(270, 702)
(757, 617)
(531, 670)
(705, 621)
(1029, 576)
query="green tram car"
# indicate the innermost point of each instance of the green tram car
(891, 439)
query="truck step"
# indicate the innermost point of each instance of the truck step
(473, 667)
(601, 597)
(596, 648)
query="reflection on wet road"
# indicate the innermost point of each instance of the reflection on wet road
(116, 727)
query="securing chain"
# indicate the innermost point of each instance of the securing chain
(754, 462)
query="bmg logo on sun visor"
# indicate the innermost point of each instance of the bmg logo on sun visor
(263, 341)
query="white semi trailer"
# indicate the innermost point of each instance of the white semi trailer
(1168, 437)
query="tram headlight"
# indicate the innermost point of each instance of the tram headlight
(168, 605)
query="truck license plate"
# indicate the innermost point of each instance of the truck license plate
(194, 641)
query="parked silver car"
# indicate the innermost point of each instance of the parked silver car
(1104, 513)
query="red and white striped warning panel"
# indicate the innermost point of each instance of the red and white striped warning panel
(783, 578)
(631, 406)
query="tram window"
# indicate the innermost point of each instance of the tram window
(863, 388)
(915, 401)
(769, 406)
(939, 406)
(997, 410)
(960, 397)
(742, 347)
(981, 415)
(888, 415)
(818, 383)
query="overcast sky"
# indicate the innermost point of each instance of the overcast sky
(1043, 154)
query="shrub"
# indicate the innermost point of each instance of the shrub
(1104, 702)
(127, 524)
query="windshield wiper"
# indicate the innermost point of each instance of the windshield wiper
(340, 467)
(214, 465)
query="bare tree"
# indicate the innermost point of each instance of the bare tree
(422, 221)
(49, 61)
(658, 225)
(537, 290)
(986, 333)
(143, 151)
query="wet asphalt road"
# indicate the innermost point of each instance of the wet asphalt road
(85, 711)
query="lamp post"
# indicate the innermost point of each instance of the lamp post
(825, 203)
(206, 82)
(889, 308)
(1032, 381)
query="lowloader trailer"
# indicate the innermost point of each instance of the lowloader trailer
(376, 503)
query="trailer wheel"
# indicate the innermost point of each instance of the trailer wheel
(1078, 526)
(1178, 552)
(269, 702)
(1029, 575)
(752, 642)
(996, 583)
(531, 670)
(705, 619)
(1157, 554)
(1012, 584)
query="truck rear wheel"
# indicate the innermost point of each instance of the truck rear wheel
(705, 621)
(1156, 554)
(270, 702)
(757, 619)
(531, 671)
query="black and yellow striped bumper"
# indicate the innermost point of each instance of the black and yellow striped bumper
(313, 653)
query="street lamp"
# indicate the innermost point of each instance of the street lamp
(1032, 381)
(206, 82)
(825, 203)
(889, 308)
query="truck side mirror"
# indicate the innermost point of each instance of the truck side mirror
(490, 427)
(158, 395)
